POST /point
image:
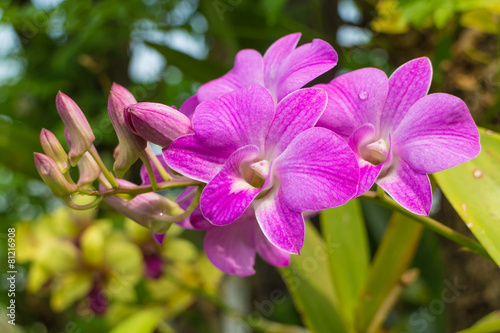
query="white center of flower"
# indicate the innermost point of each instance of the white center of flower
(375, 152)
(256, 173)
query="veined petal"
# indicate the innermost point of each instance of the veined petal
(410, 189)
(231, 248)
(191, 158)
(318, 170)
(368, 172)
(274, 56)
(354, 99)
(283, 227)
(227, 195)
(437, 133)
(304, 64)
(407, 84)
(236, 119)
(248, 69)
(297, 112)
(268, 251)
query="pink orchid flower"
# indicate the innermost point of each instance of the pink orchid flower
(399, 133)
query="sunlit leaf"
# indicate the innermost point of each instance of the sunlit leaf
(349, 256)
(487, 324)
(480, 19)
(309, 282)
(68, 289)
(473, 189)
(393, 256)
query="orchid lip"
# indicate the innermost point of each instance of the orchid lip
(376, 152)
(255, 173)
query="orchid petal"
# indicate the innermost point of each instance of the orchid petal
(236, 119)
(231, 249)
(283, 227)
(189, 106)
(189, 157)
(410, 189)
(159, 238)
(437, 133)
(407, 84)
(227, 195)
(354, 98)
(273, 58)
(268, 251)
(318, 170)
(303, 65)
(248, 69)
(297, 112)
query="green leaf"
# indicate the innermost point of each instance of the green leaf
(393, 256)
(144, 321)
(488, 324)
(473, 190)
(308, 280)
(349, 257)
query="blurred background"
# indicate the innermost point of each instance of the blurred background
(92, 270)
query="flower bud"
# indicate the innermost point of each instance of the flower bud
(89, 170)
(52, 176)
(52, 148)
(130, 145)
(77, 125)
(157, 123)
(147, 209)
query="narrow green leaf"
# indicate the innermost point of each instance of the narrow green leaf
(489, 324)
(473, 190)
(349, 256)
(308, 280)
(144, 321)
(393, 256)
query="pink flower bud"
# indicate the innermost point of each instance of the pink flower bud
(88, 169)
(52, 176)
(130, 145)
(146, 209)
(77, 125)
(157, 123)
(52, 147)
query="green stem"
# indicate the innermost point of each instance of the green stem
(140, 189)
(151, 174)
(164, 174)
(93, 204)
(428, 222)
(103, 168)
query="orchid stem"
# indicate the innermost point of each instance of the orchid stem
(134, 190)
(428, 222)
(151, 174)
(93, 152)
(164, 174)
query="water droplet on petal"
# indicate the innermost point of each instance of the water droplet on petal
(363, 95)
(477, 173)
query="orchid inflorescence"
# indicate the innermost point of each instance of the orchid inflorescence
(255, 150)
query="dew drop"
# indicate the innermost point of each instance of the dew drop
(363, 95)
(477, 173)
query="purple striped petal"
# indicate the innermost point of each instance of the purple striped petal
(318, 170)
(283, 227)
(228, 195)
(407, 84)
(236, 119)
(354, 98)
(248, 69)
(297, 67)
(410, 189)
(268, 251)
(231, 248)
(296, 113)
(189, 157)
(437, 133)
